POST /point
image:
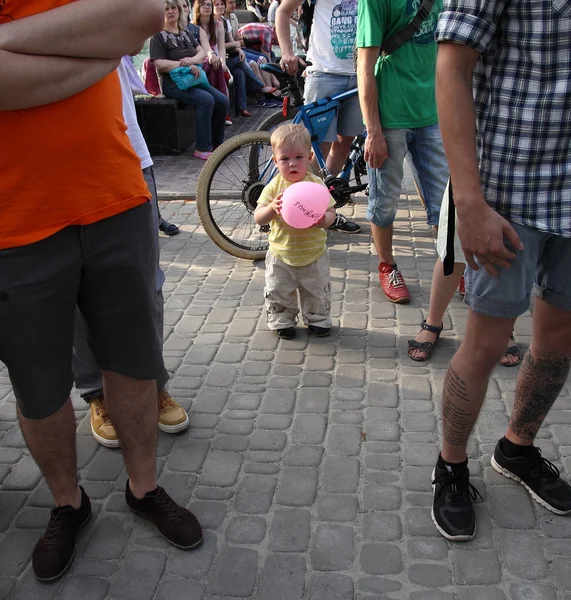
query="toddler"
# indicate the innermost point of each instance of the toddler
(297, 259)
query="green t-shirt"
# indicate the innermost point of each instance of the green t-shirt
(405, 79)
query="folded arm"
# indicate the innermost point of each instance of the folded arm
(85, 29)
(31, 81)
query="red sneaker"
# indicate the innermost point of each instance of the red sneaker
(462, 287)
(393, 284)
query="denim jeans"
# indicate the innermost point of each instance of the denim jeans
(210, 109)
(424, 152)
(243, 76)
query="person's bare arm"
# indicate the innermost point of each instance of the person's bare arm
(85, 29)
(375, 144)
(31, 81)
(163, 65)
(480, 228)
(220, 42)
(289, 61)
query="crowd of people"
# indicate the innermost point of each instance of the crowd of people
(466, 100)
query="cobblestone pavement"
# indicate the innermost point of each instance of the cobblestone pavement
(308, 462)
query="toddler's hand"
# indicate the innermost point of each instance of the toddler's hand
(276, 204)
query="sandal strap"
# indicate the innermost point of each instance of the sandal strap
(436, 330)
(426, 346)
(514, 350)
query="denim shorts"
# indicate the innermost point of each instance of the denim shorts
(349, 121)
(541, 269)
(424, 152)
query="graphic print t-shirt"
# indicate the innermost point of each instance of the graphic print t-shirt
(333, 33)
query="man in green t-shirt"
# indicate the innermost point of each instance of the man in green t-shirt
(399, 109)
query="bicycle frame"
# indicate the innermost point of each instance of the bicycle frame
(304, 116)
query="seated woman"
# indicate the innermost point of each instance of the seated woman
(215, 65)
(174, 47)
(236, 62)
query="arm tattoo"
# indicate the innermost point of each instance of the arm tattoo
(541, 378)
(457, 420)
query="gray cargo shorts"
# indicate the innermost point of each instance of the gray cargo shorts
(108, 269)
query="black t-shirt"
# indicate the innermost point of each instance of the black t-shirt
(172, 46)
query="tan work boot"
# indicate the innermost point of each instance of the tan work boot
(101, 426)
(172, 416)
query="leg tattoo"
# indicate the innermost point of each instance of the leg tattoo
(540, 380)
(458, 420)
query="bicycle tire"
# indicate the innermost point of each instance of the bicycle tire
(204, 196)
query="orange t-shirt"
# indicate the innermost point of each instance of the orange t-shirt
(68, 163)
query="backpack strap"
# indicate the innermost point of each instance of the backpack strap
(450, 259)
(404, 35)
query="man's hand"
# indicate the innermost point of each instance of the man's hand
(290, 63)
(375, 149)
(482, 232)
(241, 55)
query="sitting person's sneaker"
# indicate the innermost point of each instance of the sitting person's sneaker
(101, 426)
(452, 511)
(288, 333)
(172, 416)
(539, 476)
(392, 284)
(342, 224)
(203, 155)
(319, 331)
(55, 550)
(228, 120)
(176, 524)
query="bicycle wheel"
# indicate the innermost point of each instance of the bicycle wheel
(227, 195)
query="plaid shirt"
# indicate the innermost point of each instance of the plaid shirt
(522, 92)
(261, 32)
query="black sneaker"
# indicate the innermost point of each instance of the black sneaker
(176, 524)
(345, 226)
(452, 511)
(55, 550)
(286, 334)
(319, 331)
(539, 476)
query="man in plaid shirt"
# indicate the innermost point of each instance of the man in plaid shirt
(504, 94)
(259, 33)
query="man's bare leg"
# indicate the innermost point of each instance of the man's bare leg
(52, 445)
(543, 373)
(133, 407)
(383, 239)
(338, 153)
(467, 378)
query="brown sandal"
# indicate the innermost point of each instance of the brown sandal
(426, 347)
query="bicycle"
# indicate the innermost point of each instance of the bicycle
(233, 178)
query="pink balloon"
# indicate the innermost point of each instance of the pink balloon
(304, 203)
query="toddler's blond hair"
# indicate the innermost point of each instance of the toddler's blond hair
(288, 135)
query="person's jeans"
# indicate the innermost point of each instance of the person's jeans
(243, 76)
(86, 372)
(424, 152)
(210, 110)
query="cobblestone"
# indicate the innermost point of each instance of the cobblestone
(332, 547)
(282, 578)
(235, 572)
(139, 576)
(290, 530)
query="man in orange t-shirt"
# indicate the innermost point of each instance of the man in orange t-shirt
(76, 229)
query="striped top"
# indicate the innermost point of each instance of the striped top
(294, 247)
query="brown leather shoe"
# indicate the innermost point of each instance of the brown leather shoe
(55, 550)
(176, 524)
